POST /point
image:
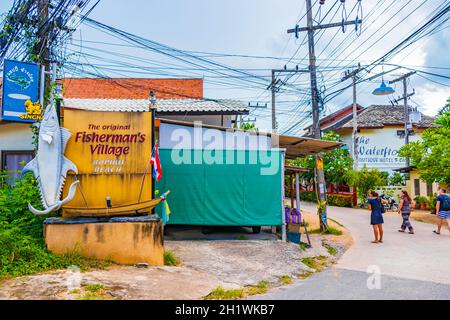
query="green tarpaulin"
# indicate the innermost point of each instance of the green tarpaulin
(222, 194)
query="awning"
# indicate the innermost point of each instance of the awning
(302, 146)
(405, 169)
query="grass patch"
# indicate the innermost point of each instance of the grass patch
(95, 291)
(317, 263)
(285, 280)
(260, 288)
(309, 262)
(331, 250)
(330, 230)
(242, 237)
(305, 274)
(170, 259)
(93, 287)
(220, 293)
(303, 246)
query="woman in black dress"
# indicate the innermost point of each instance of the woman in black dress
(376, 217)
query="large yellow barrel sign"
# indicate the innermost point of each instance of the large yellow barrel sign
(111, 151)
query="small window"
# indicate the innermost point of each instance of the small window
(417, 187)
(429, 189)
(13, 162)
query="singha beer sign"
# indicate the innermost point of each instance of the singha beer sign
(20, 92)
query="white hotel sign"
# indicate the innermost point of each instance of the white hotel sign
(378, 148)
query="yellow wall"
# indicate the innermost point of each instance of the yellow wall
(414, 174)
(126, 243)
(118, 176)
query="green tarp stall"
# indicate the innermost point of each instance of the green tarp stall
(223, 193)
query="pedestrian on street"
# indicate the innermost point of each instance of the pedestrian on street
(405, 210)
(442, 210)
(376, 217)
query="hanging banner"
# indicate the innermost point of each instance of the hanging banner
(21, 92)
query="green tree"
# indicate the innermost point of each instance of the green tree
(248, 126)
(365, 180)
(396, 179)
(336, 163)
(431, 155)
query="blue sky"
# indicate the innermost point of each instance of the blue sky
(258, 27)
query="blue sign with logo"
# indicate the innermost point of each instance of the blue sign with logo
(21, 92)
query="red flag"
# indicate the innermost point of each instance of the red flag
(154, 161)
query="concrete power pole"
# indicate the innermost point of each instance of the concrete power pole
(273, 87)
(354, 75)
(405, 97)
(310, 28)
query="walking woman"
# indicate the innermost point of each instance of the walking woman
(376, 217)
(405, 210)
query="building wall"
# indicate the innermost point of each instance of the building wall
(118, 88)
(378, 148)
(15, 137)
(422, 186)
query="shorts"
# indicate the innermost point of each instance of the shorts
(444, 214)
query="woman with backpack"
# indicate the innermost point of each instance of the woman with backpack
(405, 210)
(376, 217)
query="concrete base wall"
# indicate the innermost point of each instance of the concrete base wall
(121, 242)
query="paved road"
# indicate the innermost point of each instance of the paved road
(410, 266)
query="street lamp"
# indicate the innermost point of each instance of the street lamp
(383, 90)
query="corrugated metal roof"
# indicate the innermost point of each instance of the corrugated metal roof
(162, 105)
(377, 116)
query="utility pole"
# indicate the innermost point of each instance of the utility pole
(43, 51)
(273, 87)
(405, 97)
(42, 48)
(310, 28)
(354, 75)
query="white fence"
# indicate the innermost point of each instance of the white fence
(393, 191)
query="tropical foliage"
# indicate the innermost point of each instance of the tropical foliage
(396, 179)
(336, 163)
(365, 180)
(22, 247)
(431, 155)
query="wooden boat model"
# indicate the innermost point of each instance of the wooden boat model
(142, 207)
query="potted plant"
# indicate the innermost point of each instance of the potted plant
(421, 203)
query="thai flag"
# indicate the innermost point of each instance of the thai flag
(156, 164)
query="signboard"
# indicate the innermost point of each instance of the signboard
(374, 151)
(21, 92)
(111, 151)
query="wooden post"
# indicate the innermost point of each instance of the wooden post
(292, 191)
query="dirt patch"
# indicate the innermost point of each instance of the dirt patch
(116, 283)
(242, 263)
(339, 242)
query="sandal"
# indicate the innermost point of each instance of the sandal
(411, 232)
(401, 230)
(375, 241)
(436, 232)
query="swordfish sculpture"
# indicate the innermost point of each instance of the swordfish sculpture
(50, 166)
